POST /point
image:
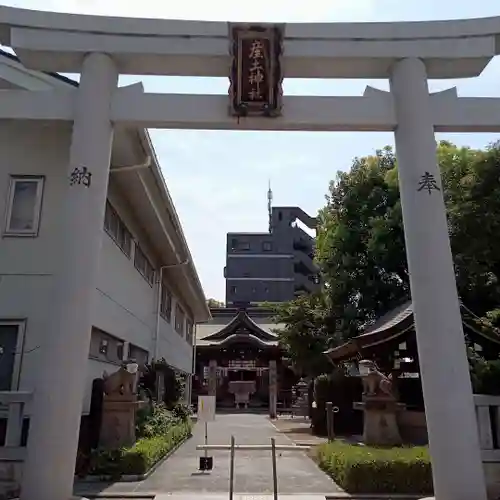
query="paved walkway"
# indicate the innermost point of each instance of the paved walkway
(297, 473)
(298, 429)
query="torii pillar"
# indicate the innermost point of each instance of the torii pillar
(449, 405)
(57, 406)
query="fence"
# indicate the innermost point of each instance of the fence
(15, 402)
(488, 421)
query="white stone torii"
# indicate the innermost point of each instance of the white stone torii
(408, 54)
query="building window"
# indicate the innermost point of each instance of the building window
(189, 331)
(103, 347)
(117, 230)
(180, 318)
(139, 355)
(11, 354)
(239, 246)
(24, 205)
(143, 265)
(267, 246)
(166, 303)
(120, 350)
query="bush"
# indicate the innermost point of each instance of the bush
(140, 457)
(155, 421)
(485, 374)
(365, 469)
(182, 411)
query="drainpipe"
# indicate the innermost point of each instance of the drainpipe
(193, 366)
(128, 168)
(158, 306)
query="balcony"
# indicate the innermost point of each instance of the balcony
(302, 239)
(304, 264)
(306, 284)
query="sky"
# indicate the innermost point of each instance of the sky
(219, 179)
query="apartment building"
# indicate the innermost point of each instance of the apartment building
(274, 266)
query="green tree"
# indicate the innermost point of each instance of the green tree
(472, 195)
(361, 247)
(215, 303)
(305, 332)
(360, 243)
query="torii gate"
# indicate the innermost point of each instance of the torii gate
(101, 48)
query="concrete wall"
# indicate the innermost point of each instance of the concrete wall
(125, 303)
(27, 265)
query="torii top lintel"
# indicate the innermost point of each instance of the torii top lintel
(57, 42)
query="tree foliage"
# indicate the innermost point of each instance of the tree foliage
(215, 303)
(304, 332)
(360, 243)
(361, 248)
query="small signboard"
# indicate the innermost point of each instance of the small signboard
(206, 408)
(256, 75)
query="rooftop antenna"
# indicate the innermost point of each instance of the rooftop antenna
(269, 206)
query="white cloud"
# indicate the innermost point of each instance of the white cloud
(216, 10)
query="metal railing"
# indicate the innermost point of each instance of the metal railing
(232, 448)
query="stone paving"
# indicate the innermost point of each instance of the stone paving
(297, 473)
(298, 429)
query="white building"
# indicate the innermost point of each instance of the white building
(142, 239)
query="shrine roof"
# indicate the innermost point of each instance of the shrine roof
(391, 319)
(396, 323)
(241, 326)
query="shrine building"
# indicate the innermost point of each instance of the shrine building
(238, 360)
(392, 343)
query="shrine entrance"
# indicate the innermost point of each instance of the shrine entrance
(240, 362)
(258, 58)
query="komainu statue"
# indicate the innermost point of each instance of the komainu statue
(375, 383)
(119, 383)
(380, 407)
(119, 408)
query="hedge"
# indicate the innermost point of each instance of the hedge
(142, 456)
(365, 469)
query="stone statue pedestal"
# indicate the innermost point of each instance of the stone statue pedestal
(119, 407)
(380, 427)
(118, 422)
